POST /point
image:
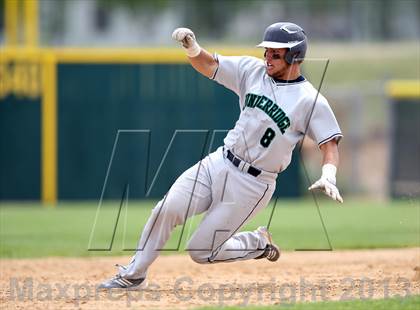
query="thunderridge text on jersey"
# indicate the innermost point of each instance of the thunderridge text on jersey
(271, 108)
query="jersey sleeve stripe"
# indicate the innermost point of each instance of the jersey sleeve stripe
(217, 69)
(339, 135)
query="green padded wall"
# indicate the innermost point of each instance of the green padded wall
(405, 148)
(95, 101)
(20, 148)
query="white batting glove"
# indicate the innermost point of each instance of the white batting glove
(327, 183)
(187, 38)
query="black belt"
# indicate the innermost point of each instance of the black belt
(236, 162)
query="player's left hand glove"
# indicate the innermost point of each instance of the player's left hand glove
(327, 183)
(187, 38)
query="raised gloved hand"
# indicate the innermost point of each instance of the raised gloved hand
(327, 183)
(187, 38)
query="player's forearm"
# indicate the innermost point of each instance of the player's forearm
(330, 153)
(327, 182)
(204, 63)
(330, 160)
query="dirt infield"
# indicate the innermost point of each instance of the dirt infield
(176, 282)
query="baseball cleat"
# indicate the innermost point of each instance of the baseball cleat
(271, 251)
(123, 283)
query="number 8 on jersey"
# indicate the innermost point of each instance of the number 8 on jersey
(267, 137)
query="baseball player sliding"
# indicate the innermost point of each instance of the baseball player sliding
(278, 108)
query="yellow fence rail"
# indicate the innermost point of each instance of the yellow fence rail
(403, 89)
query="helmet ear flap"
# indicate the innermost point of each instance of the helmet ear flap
(289, 56)
(296, 53)
(292, 56)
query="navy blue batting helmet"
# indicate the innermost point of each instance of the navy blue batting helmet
(286, 35)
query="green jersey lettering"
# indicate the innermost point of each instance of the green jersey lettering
(270, 108)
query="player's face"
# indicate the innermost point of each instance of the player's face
(276, 65)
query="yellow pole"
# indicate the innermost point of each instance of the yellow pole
(31, 22)
(11, 22)
(49, 129)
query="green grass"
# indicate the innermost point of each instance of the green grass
(408, 303)
(30, 230)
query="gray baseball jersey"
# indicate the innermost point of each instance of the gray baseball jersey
(274, 115)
